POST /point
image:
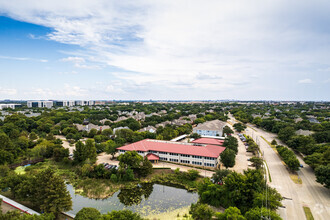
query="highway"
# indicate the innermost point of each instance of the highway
(309, 193)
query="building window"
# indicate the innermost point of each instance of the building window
(154, 152)
(122, 151)
(162, 158)
(173, 154)
(209, 158)
(209, 164)
(197, 163)
(140, 152)
(165, 153)
(174, 160)
(185, 161)
(185, 155)
(197, 157)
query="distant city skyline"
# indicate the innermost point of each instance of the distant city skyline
(165, 50)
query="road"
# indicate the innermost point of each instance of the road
(309, 193)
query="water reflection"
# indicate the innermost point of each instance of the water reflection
(133, 196)
(145, 199)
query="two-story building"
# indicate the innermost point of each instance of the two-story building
(210, 128)
(178, 152)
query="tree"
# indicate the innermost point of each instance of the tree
(107, 132)
(231, 143)
(50, 193)
(256, 213)
(88, 214)
(230, 213)
(85, 151)
(33, 136)
(130, 159)
(227, 157)
(218, 176)
(257, 162)
(121, 215)
(92, 133)
(146, 168)
(227, 130)
(201, 211)
(114, 178)
(314, 159)
(274, 142)
(286, 133)
(195, 136)
(322, 174)
(111, 147)
(239, 127)
(192, 174)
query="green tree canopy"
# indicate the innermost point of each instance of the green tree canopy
(227, 157)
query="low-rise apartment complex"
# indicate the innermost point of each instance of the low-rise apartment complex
(186, 153)
(210, 128)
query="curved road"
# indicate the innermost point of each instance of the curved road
(309, 193)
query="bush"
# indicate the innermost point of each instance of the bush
(88, 214)
(201, 211)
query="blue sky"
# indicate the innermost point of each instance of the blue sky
(247, 50)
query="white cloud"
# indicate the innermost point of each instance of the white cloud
(73, 59)
(23, 59)
(68, 73)
(305, 81)
(5, 91)
(212, 45)
(79, 62)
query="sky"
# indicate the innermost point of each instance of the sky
(165, 49)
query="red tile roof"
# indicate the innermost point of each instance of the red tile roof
(152, 157)
(212, 141)
(174, 147)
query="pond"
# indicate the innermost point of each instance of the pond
(145, 199)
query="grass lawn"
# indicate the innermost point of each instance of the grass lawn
(308, 213)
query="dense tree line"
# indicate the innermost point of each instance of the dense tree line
(245, 193)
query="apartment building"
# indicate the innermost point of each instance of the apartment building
(210, 128)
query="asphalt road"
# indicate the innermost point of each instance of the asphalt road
(309, 193)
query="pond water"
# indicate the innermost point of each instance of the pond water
(146, 199)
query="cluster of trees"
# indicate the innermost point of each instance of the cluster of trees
(210, 116)
(131, 160)
(246, 192)
(200, 211)
(171, 131)
(288, 157)
(239, 127)
(227, 157)
(94, 214)
(45, 190)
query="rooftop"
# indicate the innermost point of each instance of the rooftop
(211, 141)
(214, 125)
(174, 147)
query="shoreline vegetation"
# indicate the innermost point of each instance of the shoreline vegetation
(94, 188)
